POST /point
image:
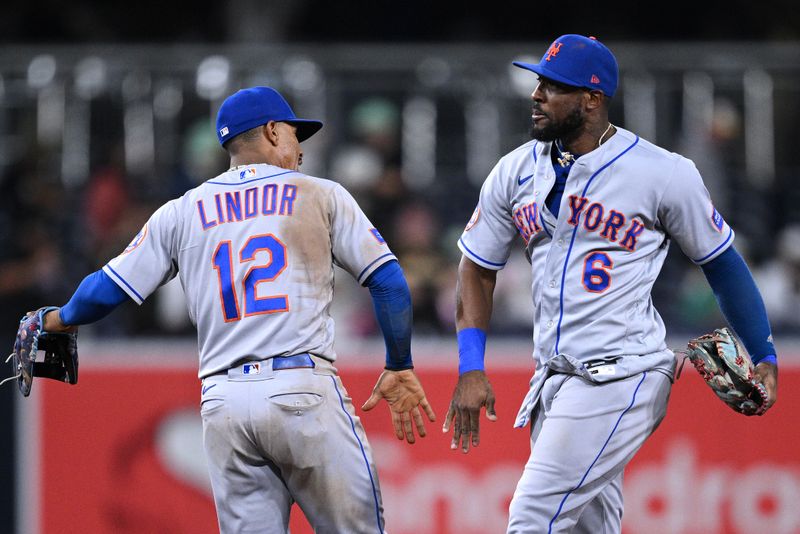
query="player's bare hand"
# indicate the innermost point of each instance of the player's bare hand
(767, 374)
(403, 391)
(52, 323)
(472, 392)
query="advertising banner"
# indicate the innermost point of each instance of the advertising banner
(122, 453)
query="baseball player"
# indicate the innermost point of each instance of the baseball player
(255, 249)
(596, 208)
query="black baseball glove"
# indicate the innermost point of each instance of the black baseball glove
(60, 353)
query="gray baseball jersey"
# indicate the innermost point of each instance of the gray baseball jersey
(254, 249)
(593, 270)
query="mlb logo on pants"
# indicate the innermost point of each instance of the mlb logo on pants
(251, 368)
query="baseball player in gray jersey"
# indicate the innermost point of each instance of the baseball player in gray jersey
(255, 250)
(596, 208)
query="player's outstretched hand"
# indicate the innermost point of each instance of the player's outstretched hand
(767, 374)
(472, 392)
(403, 391)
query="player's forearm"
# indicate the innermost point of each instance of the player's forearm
(741, 303)
(96, 297)
(391, 300)
(474, 294)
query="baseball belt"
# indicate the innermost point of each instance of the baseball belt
(277, 363)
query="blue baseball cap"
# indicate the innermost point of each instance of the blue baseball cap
(580, 62)
(255, 106)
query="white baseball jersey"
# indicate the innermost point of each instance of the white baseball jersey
(594, 266)
(255, 249)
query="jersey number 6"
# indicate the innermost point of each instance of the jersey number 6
(253, 305)
(596, 277)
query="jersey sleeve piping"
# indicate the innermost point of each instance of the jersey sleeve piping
(377, 262)
(477, 259)
(717, 251)
(122, 283)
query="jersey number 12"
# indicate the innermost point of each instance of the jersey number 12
(253, 305)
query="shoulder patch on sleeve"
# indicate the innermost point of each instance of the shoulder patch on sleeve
(377, 235)
(474, 219)
(716, 219)
(136, 240)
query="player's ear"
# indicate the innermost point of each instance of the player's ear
(271, 132)
(595, 99)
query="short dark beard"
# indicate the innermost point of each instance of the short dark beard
(565, 130)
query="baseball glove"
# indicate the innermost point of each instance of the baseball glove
(727, 368)
(60, 353)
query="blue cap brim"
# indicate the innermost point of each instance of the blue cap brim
(546, 73)
(305, 127)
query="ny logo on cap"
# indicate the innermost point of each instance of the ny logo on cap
(553, 51)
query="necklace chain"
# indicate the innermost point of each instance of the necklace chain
(567, 158)
(600, 141)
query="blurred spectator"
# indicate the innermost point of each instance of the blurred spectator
(376, 122)
(779, 281)
(112, 217)
(369, 164)
(106, 199)
(201, 159)
(416, 246)
(33, 222)
(37, 233)
(696, 306)
(373, 144)
(383, 203)
(715, 151)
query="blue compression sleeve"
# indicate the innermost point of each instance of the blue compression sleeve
(96, 297)
(391, 299)
(741, 303)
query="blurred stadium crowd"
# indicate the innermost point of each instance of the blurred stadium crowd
(99, 126)
(92, 147)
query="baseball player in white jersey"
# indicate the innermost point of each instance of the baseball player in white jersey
(255, 250)
(596, 208)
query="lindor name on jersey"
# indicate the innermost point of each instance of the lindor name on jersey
(240, 205)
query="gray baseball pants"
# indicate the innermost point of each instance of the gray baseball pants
(582, 436)
(275, 437)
